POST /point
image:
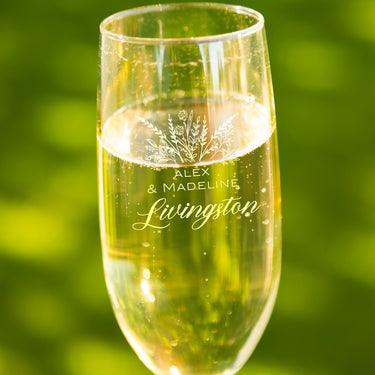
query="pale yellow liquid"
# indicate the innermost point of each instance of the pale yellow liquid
(191, 251)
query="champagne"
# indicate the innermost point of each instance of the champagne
(190, 218)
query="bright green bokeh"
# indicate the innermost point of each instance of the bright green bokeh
(55, 314)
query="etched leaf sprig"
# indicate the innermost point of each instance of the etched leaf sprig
(187, 139)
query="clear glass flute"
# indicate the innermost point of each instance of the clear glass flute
(189, 183)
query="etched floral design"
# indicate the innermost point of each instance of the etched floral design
(187, 140)
(179, 130)
(182, 115)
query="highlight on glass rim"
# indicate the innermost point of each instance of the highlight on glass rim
(189, 189)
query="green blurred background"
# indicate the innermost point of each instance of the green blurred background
(55, 316)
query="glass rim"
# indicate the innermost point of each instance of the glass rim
(239, 9)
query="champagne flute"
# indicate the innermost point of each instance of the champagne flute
(189, 183)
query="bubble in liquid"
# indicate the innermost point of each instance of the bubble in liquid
(146, 273)
(247, 214)
(145, 244)
(173, 343)
(265, 222)
(263, 190)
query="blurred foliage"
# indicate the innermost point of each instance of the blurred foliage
(55, 314)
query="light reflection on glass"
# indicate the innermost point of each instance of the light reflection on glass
(145, 285)
(174, 370)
